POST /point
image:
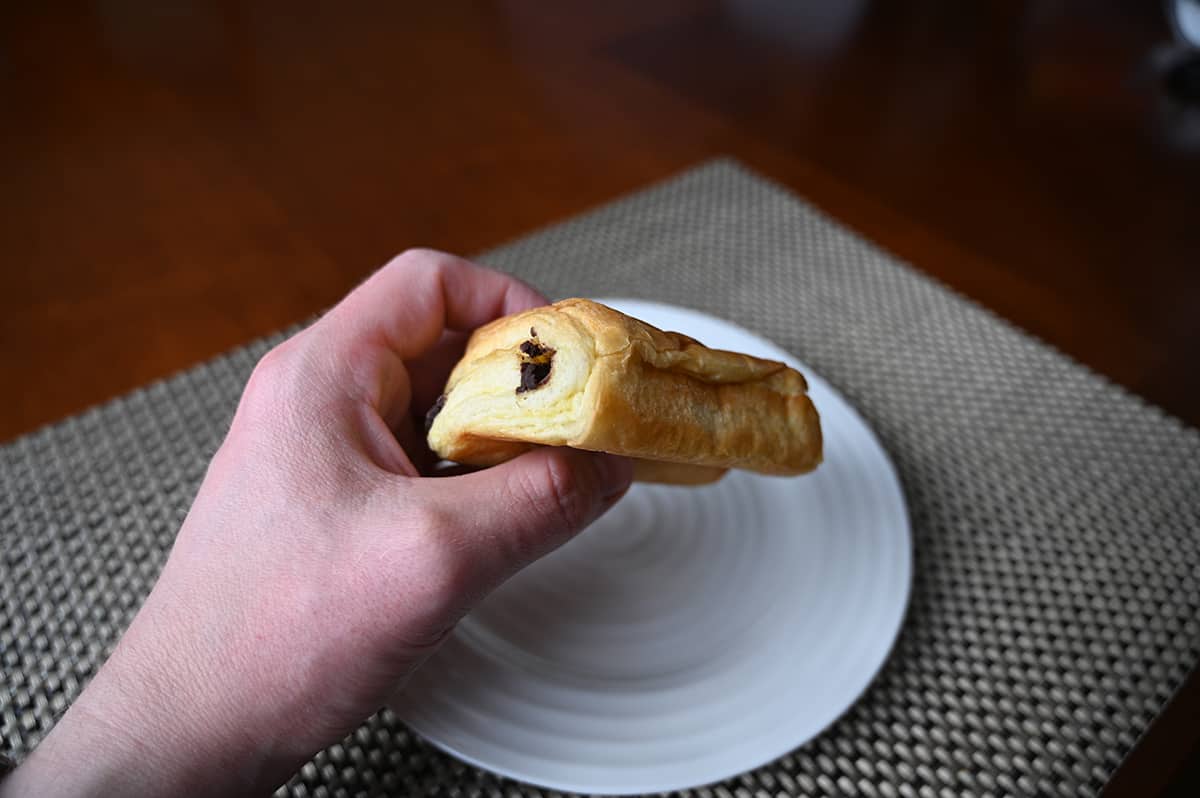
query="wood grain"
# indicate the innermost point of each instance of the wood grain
(179, 179)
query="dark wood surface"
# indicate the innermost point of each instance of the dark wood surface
(177, 180)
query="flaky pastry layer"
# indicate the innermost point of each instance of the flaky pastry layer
(580, 374)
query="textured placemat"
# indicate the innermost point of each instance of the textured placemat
(1056, 517)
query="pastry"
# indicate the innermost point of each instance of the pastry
(580, 374)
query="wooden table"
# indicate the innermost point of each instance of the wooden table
(179, 180)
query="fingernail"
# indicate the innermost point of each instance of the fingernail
(616, 474)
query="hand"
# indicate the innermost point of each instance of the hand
(317, 569)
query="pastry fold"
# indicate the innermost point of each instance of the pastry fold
(580, 374)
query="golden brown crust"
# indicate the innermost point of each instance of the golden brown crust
(617, 384)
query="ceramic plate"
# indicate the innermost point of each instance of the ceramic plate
(692, 633)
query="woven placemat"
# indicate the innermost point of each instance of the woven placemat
(1056, 517)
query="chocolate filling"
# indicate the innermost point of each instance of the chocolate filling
(433, 412)
(533, 349)
(533, 375)
(536, 370)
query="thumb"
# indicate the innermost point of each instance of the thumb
(512, 514)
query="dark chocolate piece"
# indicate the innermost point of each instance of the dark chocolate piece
(433, 412)
(535, 364)
(533, 375)
(533, 349)
(532, 333)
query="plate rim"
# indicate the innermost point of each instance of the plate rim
(671, 786)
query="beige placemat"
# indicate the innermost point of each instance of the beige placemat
(1056, 517)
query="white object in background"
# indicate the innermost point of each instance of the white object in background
(692, 633)
(1185, 19)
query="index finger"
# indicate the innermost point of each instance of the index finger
(410, 302)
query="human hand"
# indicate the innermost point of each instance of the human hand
(317, 568)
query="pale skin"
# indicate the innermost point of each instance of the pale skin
(318, 567)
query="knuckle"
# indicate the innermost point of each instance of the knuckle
(267, 378)
(271, 362)
(278, 396)
(420, 259)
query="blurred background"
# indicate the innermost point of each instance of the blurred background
(180, 177)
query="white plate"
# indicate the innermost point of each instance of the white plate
(692, 633)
